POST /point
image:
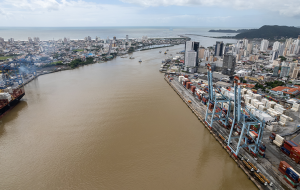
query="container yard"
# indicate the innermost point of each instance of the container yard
(256, 131)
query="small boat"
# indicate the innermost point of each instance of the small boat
(140, 61)
(165, 52)
(123, 56)
(167, 49)
(131, 57)
(159, 51)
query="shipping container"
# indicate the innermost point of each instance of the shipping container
(285, 151)
(283, 165)
(294, 157)
(291, 183)
(296, 150)
(292, 174)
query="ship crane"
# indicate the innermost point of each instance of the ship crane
(243, 119)
(217, 99)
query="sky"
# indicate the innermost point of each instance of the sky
(191, 13)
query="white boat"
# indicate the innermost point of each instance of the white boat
(159, 51)
(131, 57)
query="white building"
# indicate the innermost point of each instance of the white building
(264, 45)
(276, 46)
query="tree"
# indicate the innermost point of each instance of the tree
(282, 58)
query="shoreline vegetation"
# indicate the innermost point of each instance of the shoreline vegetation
(265, 32)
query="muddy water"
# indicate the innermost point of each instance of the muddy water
(113, 125)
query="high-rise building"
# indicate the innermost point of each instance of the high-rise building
(1, 40)
(201, 52)
(281, 49)
(276, 46)
(285, 70)
(275, 55)
(292, 67)
(206, 54)
(126, 38)
(275, 71)
(264, 45)
(219, 48)
(249, 47)
(229, 62)
(295, 72)
(191, 54)
(115, 38)
(29, 40)
(245, 43)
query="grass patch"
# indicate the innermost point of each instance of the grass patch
(78, 50)
(4, 58)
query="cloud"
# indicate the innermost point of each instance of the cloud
(287, 8)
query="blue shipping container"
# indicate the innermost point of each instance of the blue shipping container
(292, 143)
(285, 150)
(292, 174)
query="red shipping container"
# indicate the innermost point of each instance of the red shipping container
(296, 150)
(289, 182)
(295, 158)
(283, 165)
(282, 171)
(193, 88)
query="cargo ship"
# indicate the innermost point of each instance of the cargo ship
(9, 98)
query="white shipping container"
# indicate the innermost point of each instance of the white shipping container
(278, 138)
(180, 78)
(269, 127)
(277, 143)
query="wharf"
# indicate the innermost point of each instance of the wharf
(266, 168)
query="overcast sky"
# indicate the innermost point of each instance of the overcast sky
(198, 13)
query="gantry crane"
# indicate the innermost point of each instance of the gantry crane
(217, 99)
(243, 119)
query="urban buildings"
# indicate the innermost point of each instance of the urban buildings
(264, 45)
(191, 54)
(229, 63)
(219, 48)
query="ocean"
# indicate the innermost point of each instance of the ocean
(50, 33)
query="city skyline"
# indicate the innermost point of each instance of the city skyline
(59, 13)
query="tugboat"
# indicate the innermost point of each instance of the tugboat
(140, 61)
(165, 52)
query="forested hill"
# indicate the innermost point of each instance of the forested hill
(271, 32)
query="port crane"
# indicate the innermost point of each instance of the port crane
(217, 99)
(242, 120)
(7, 70)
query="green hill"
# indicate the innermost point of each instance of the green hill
(271, 32)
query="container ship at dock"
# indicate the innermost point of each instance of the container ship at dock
(9, 98)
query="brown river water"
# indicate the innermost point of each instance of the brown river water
(113, 125)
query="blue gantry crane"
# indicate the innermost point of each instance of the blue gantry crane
(243, 119)
(242, 123)
(217, 99)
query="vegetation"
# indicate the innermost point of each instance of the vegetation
(230, 31)
(282, 58)
(53, 64)
(274, 84)
(76, 50)
(271, 32)
(77, 62)
(5, 57)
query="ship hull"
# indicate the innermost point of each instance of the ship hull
(10, 105)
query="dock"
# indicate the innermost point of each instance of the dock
(268, 171)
